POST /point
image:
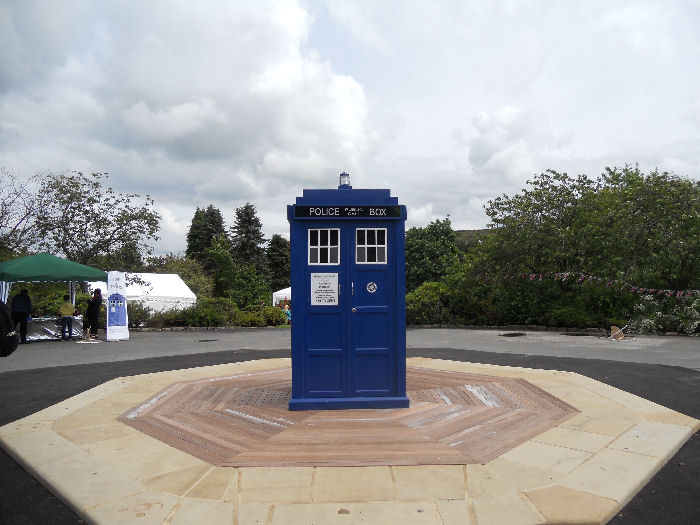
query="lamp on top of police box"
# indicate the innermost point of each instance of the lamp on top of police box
(344, 180)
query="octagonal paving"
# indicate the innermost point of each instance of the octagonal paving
(453, 418)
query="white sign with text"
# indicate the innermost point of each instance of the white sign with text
(324, 289)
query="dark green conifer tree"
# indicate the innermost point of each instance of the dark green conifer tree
(207, 224)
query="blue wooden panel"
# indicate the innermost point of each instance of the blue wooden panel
(373, 373)
(325, 374)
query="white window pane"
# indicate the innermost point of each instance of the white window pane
(334, 256)
(381, 254)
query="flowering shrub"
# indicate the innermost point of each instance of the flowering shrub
(675, 314)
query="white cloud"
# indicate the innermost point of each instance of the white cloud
(447, 104)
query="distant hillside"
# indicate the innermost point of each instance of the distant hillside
(467, 238)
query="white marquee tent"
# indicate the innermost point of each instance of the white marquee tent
(159, 291)
(281, 295)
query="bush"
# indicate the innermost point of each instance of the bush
(273, 316)
(47, 305)
(469, 300)
(138, 314)
(427, 304)
(206, 312)
(249, 318)
(652, 314)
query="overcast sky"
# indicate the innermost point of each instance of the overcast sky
(447, 103)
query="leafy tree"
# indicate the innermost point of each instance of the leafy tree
(82, 220)
(206, 224)
(625, 225)
(189, 271)
(248, 288)
(278, 263)
(126, 259)
(217, 258)
(430, 252)
(645, 228)
(247, 239)
(18, 202)
(539, 228)
(241, 283)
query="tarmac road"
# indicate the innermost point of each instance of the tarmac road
(662, 369)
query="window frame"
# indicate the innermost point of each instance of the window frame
(375, 245)
(319, 247)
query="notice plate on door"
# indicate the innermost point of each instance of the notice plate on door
(324, 289)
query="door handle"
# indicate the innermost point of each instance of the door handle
(352, 287)
(354, 309)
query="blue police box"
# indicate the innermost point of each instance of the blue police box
(348, 298)
(116, 313)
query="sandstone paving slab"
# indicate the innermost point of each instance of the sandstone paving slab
(432, 481)
(675, 418)
(564, 505)
(501, 476)
(353, 484)
(291, 484)
(370, 513)
(611, 422)
(190, 511)
(33, 449)
(253, 513)
(141, 457)
(547, 456)
(110, 429)
(596, 460)
(215, 484)
(177, 482)
(510, 508)
(613, 474)
(653, 438)
(454, 511)
(146, 507)
(576, 439)
(83, 482)
(27, 424)
(78, 401)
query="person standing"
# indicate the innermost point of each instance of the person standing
(93, 312)
(21, 309)
(66, 311)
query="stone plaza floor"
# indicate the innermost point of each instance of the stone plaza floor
(583, 468)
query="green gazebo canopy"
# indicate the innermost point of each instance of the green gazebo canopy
(47, 267)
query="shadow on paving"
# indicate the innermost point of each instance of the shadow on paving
(670, 497)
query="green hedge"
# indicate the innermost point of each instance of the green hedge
(463, 300)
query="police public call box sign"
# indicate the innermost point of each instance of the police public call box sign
(347, 211)
(348, 298)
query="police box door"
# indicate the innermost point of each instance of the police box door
(371, 322)
(349, 329)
